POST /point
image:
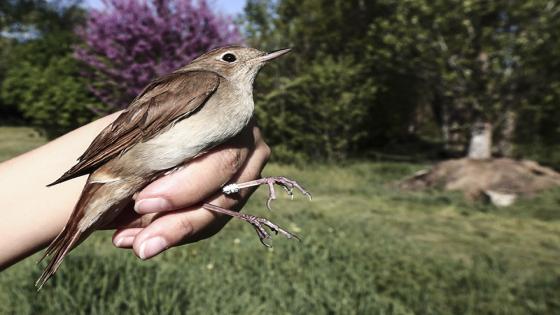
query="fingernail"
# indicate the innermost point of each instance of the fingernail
(124, 241)
(152, 205)
(152, 247)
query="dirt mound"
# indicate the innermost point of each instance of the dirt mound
(500, 181)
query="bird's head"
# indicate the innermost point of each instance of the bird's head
(235, 63)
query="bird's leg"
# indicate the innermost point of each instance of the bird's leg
(284, 182)
(257, 222)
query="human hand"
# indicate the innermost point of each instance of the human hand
(169, 212)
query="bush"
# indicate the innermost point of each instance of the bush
(129, 43)
(320, 114)
(44, 84)
(53, 98)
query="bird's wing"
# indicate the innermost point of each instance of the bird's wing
(162, 103)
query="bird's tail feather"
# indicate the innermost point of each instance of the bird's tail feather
(54, 244)
(64, 243)
(70, 236)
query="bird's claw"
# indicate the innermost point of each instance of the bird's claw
(259, 225)
(285, 183)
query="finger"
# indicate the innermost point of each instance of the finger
(129, 223)
(129, 218)
(192, 224)
(198, 180)
(125, 238)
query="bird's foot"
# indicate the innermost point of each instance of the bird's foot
(258, 223)
(282, 181)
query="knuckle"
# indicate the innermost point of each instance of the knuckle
(265, 151)
(231, 160)
(186, 227)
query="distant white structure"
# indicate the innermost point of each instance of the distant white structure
(480, 147)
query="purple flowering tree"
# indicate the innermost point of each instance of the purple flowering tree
(127, 43)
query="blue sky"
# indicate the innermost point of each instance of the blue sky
(231, 7)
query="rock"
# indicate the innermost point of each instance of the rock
(500, 199)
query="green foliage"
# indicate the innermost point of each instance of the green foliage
(320, 101)
(41, 78)
(400, 71)
(469, 60)
(334, 113)
(367, 248)
(52, 98)
(434, 68)
(321, 113)
(8, 112)
(539, 129)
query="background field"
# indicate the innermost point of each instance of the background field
(367, 249)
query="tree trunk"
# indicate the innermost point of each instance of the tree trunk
(480, 146)
(505, 144)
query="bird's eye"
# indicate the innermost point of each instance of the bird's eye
(229, 57)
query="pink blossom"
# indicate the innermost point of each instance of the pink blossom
(127, 43)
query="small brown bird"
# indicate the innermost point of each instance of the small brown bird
(175, 119)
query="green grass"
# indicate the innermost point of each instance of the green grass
(16, 140)
(367, 249)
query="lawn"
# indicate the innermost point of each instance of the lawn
(367, 248)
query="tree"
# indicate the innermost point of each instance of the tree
(130, 42)
(20, 21)
(538, 131)
(41, 78)
(315, 101)
(470, 58)
(319, 113)
(463, 64)
(51, 97)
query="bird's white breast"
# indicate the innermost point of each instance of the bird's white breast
(222, 117)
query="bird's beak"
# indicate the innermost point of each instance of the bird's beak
(272, 55)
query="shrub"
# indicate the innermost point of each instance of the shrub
(321, 113)
(129, 43)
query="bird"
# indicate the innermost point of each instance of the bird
(175, 119)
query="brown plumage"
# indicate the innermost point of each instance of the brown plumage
(68, 237)
(174, 119)
(153, 110)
